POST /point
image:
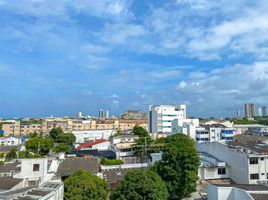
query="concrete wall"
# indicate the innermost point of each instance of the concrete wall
(237, 161)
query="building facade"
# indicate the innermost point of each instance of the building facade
(161, 117)
(249, 110)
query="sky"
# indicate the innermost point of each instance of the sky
(65, 56)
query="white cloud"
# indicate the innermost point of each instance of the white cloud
(181, 85)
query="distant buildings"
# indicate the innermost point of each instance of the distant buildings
(249, 110)
(133, 114)
(80, 115)
(103, 114)
(263, 111)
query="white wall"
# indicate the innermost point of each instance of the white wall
(237, 161)
(89, 135)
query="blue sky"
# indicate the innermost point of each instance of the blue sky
(61, 57)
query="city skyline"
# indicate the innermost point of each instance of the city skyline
(63, 57)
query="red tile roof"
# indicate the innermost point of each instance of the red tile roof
(90, 144)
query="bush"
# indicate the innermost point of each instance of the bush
(111, 162)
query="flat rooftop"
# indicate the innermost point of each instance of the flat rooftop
(256, 144)
(247, 187)
(208, 160)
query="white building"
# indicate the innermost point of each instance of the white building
(89, 135)
(10, 141)
(36, 171)
(101, 144)
(161, 117)
(247, 157)
(212, 168)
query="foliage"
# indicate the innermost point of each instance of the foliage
(140, 131)
(84, 185)
(27, 154)
(66, 138)
(35, 134)
(142, 143)
(30, 121)
(139, 185)
(55, 132)
(62, 148)
(60, 137)
(179, 165)
(2, 163)
(39, 145)
(2, 155)
(12, 154)
(111, 162)
(257, 120)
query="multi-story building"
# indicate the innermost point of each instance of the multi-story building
(247, 157)
(263, 111)
(161, 117)
(249, 110)
(46, 126)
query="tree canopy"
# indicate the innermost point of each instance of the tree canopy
(140, 185)
(55, 132)
(83, 185)
(60, 137)
(140, 131)
(62, 148)
(39, 145)
(179, 165)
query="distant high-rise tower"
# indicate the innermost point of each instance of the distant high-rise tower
(80, 115)
(263, 111)
(237, 113)
(259, 112)
(103, 114)
(249, 110)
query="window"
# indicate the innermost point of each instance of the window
(221, 171)
(36, 167)
(253, 160)
(254, 176)
(262, 158)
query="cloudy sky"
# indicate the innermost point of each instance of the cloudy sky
(61, 57)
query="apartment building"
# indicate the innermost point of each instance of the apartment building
(247, 157)
(46, 126)
(161, 117)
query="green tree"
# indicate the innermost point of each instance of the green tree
(179, 166)
(83, 185)
(12, 154)
(65, 138)
(140, 131)
(40, 145)
(62, 148)
(55, 132)
(140, 185)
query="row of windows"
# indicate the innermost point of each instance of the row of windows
(201, 132)
(166, 126)
(227, 138)
(202, 139)
(256, 176)
(227, 131)
(166, 120)
(165, 115)
(254, 160)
